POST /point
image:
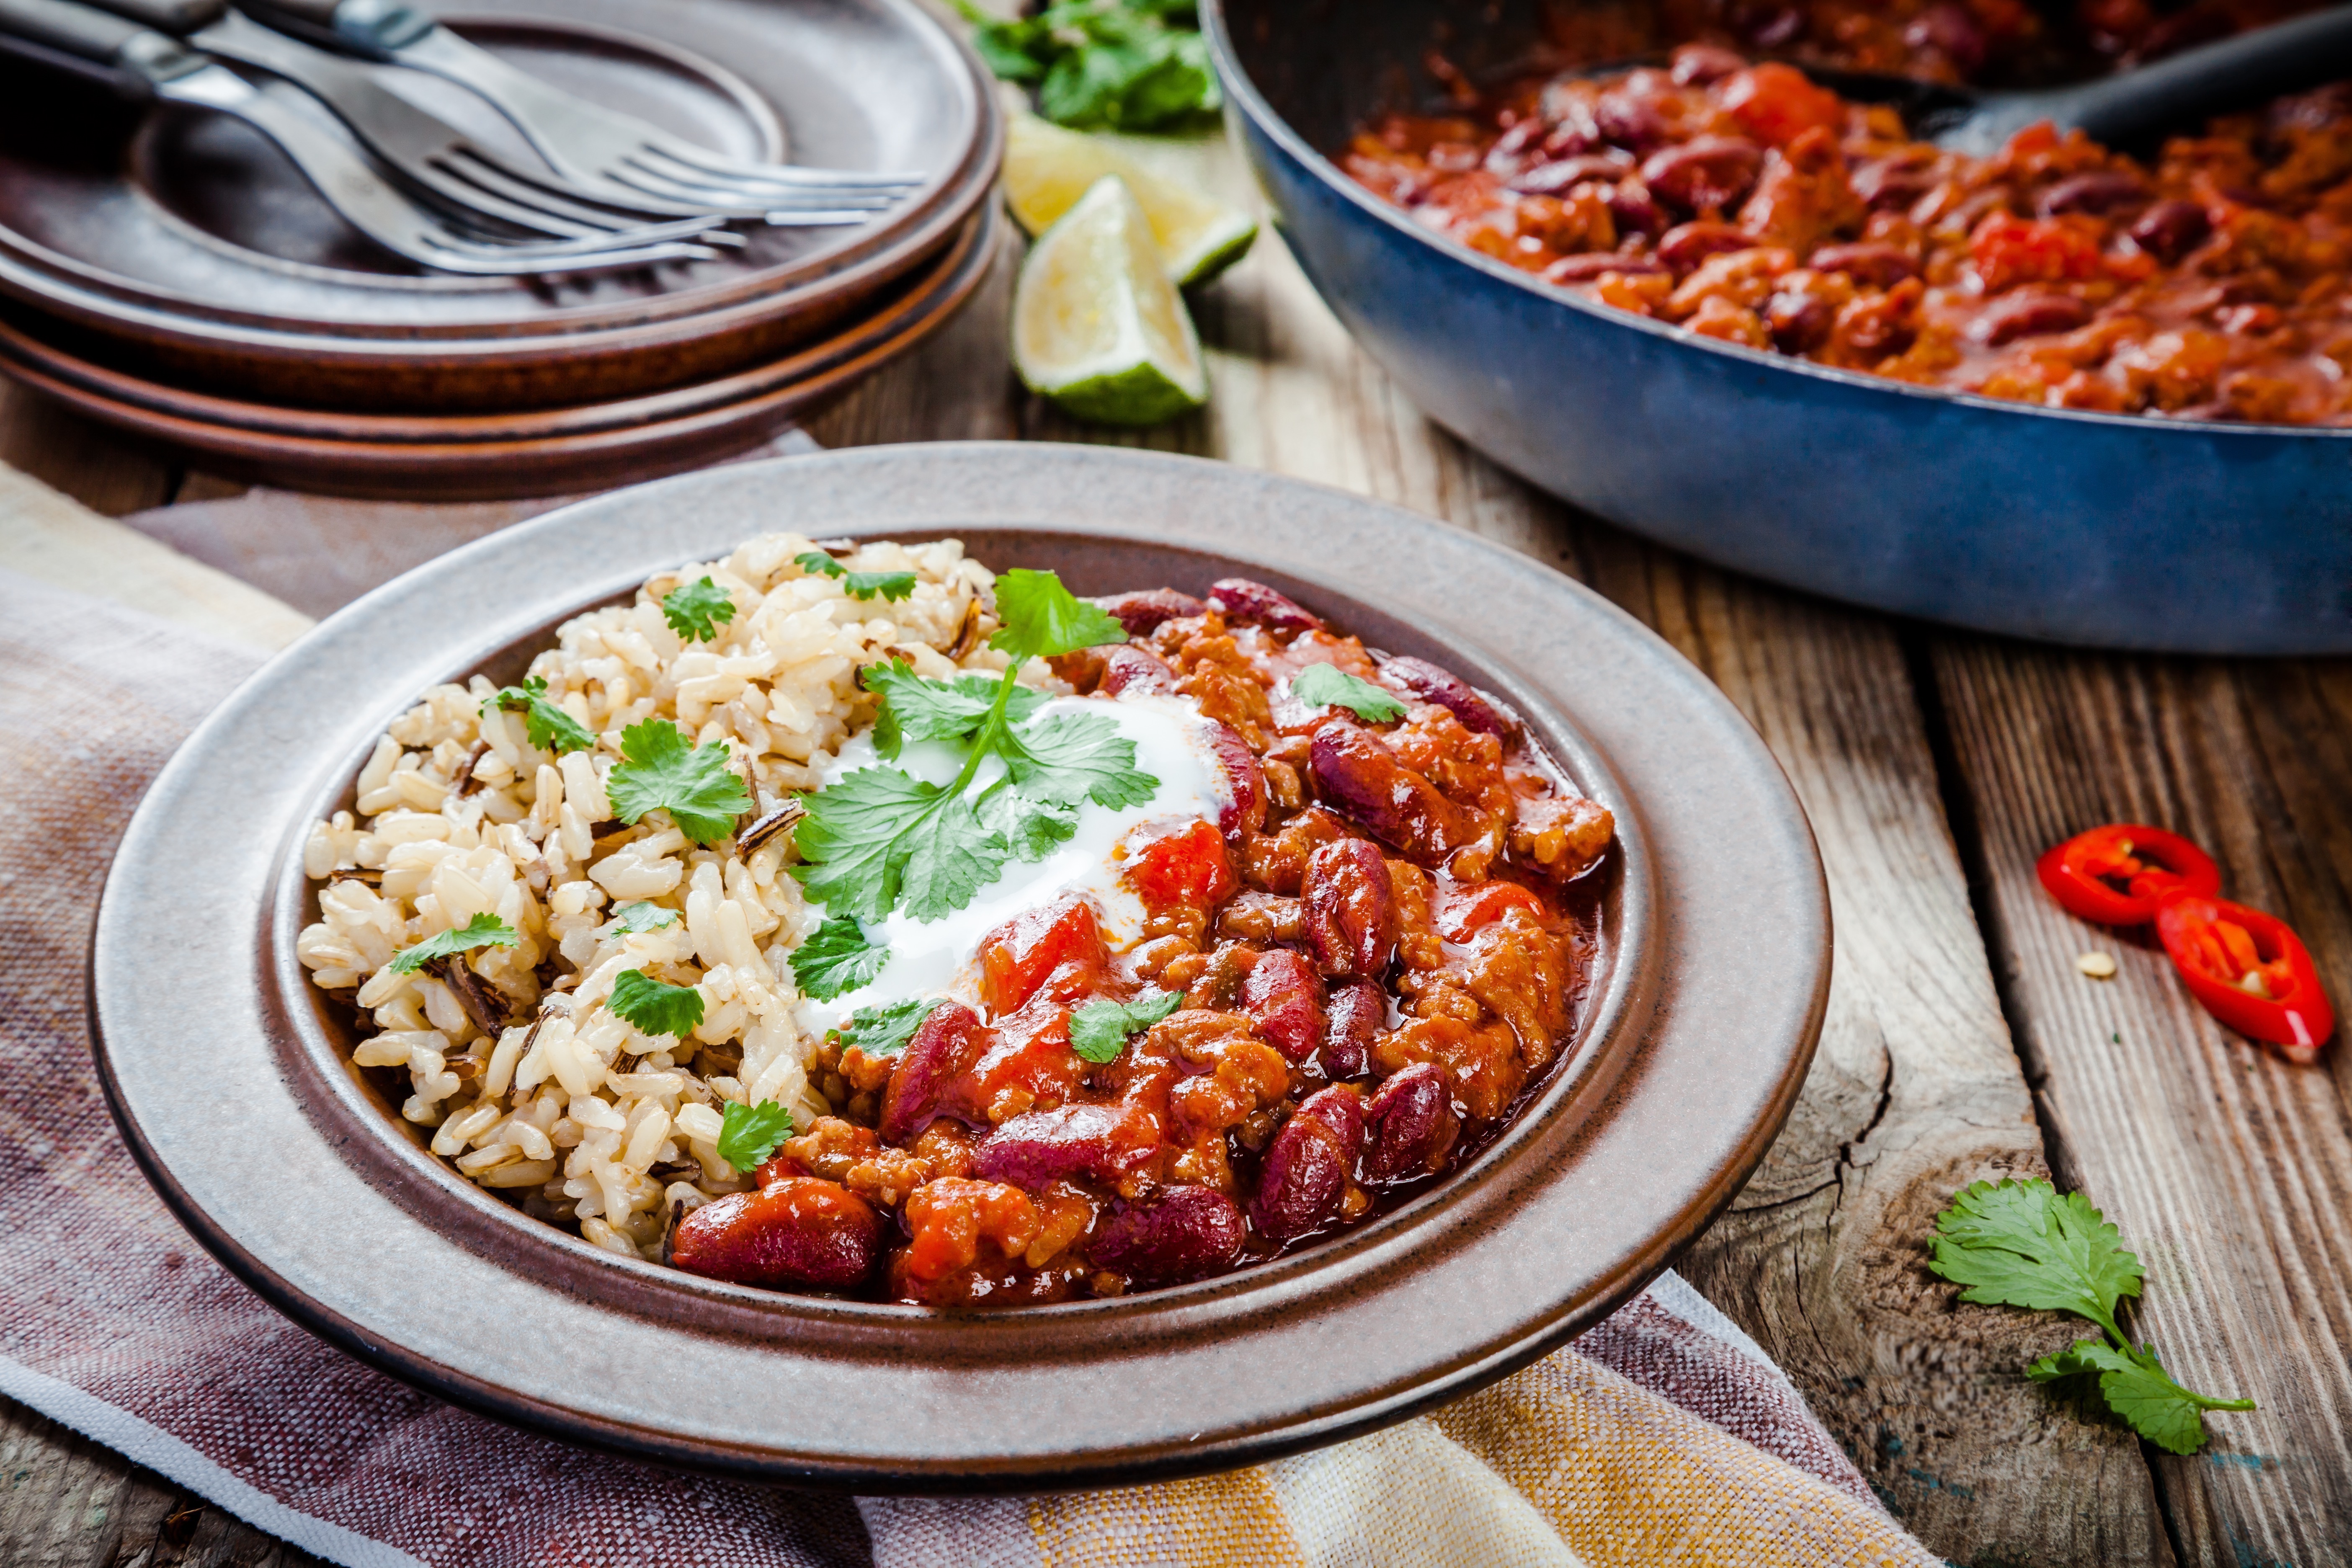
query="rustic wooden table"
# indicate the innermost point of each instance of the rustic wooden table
(1962, 1041)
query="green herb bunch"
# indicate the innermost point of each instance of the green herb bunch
(1115, 65)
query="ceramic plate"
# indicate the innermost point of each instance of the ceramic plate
(227, 1072)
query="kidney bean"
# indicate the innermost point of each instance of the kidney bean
(1952, 31)
(1695, 65)
(1626, 117)
(1355, 1014)
(1884, 184)
(1037, 1147)
(1244, 809)
(2102, 191)
(1636, 210)
(1183, 1234)
(1553, 178)
(2172, 229)
(1306, 1167)
(1881, 265)
(943, 1048)
(1511, 148)
(1687, 245)
(1283, 996)
(1769, 28)
(1585, 268)
(1434, 683)
(1239, 599)
(1799, 322)
(1361, 778)
(1143, 611)
(1129, 669)
(1349, 911)
(797, 1231)
(2027, 316)
(1705, 172)
(1412, 1124)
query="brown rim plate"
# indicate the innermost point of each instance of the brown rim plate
(1697, 1036)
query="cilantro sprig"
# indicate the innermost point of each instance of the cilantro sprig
(1099, 1030)
(653, 1007)
(880, 839)
(482, 930)
(1327, 686)
(2024, 1244)
(883, 1030)
(698, 610)
(887, 585)
(640, 916)
(1131, 65)
(662, 768)
(747, 1134)
(545, 725)
(837, 958)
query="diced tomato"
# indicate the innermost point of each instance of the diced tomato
(1028, 1064)
(2009, 250)
(1187, 868)
(949, 1218)
(1778, 103)
(1018, 957)
(1463, 910)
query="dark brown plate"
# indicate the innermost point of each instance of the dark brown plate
(190, 242)
(226, 1067)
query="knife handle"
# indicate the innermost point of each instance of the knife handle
(370, 28)
(177, 17)
(131, 60)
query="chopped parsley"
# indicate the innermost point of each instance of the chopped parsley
(642, 915)
(659, 769)
(749, 1133)
(1099, 1030)
(545, 725)
(1328, 685)
(696, 611)
(857, 584)
(2024, 1244)
(884, 1030)
(880, 839)
(482, 930)
(653, 1008)
(837, 958)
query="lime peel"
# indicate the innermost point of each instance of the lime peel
(1047, 169)
(1097, 327)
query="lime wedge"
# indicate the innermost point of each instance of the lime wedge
(1047, 169)
(1096, 325)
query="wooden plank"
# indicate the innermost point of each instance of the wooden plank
(1917, 1090)
(2229, 1169)
(85, 460)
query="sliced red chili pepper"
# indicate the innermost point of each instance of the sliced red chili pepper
(2116, 874)
(2248, 969)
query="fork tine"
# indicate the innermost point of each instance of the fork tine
(649, 176)
(709, 163)
(486, 176)
(781, 216)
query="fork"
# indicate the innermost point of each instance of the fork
(592, 146)
(146, 65)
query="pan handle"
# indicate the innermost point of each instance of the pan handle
(2235, 73)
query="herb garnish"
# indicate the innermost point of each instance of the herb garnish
(545, 725)
(884, 1030)
(1099, 1030)
(1133, 65)
(2023, 1244)
(837, 958)
(880, 838)
(857, 585)
(653, 1008)
(642, 915)
(693, 784)
(749, 1134)
(696, 611)
(915, 708)
(1328, 685)
(482, 930)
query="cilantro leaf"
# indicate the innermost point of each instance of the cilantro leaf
(2137, 1388)
(1032, 829)
(1327, 686)
(1099, 1030)
(879, 836)
(749, 1133)
(545, 725)
(857, 585)
(654, 1008)
(1074, 757)
(884, 1030)
(642, 915)
(2023, 1244)
(696, 611)
(837, 958)
(1041, 618)
(661, 769)
(482, 930)
(1134, 65)
(916, 707)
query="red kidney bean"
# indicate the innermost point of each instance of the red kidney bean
(1354, 1016)
(1771, 26)
(1695, 65)
(1307, 1165)
(1626, 118)
(2172, 229)
(1183, 1234)
(1952, 31)
(2102, 191)
(1434, 683)
(1143, 611)
(1283, 996)
(1687, 245)
(1245, 799)
(1881, 266)
(1551, 179)
(1511, 148)
(1127, 667)
(1799, 322)
(1359, 776)
(1705, 172)
(1348, 909)
(1636, 210)
(1101, 1141)
(2028, 316)
(1412, 1124)
(1239, 599)
(943, 1047)
(1884, 184)
(1585, 268)
(798, 1231)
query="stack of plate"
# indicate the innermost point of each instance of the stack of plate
(170, 274)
